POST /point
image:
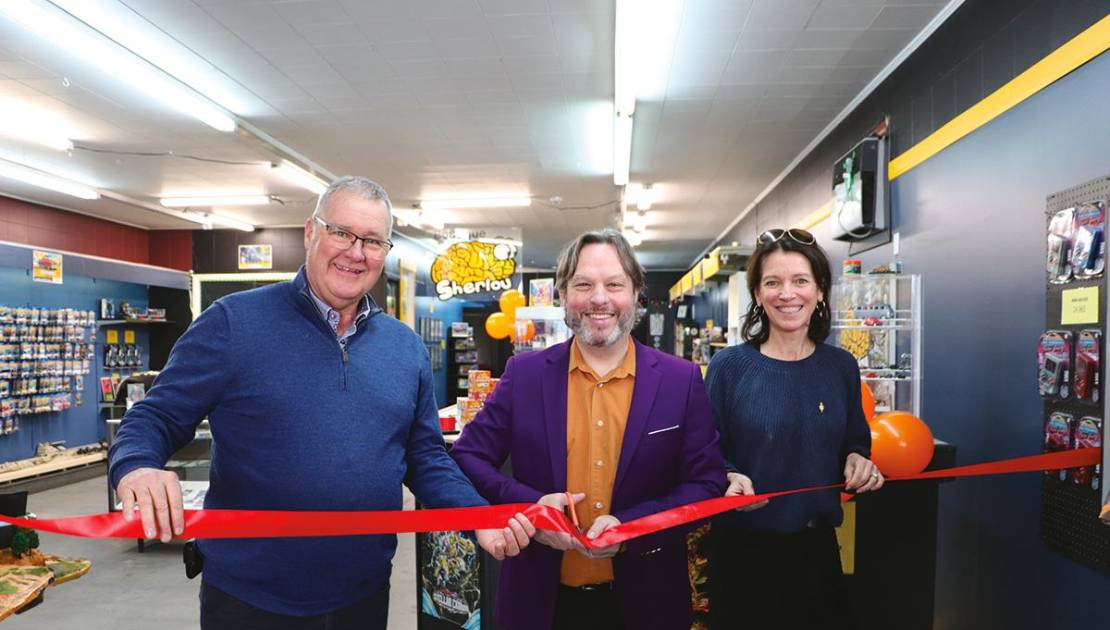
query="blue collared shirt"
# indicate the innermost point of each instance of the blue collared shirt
(331, 316)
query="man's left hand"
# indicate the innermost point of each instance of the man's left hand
(507, 541)
(602, 523)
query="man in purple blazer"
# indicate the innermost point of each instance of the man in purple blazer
(626, 429)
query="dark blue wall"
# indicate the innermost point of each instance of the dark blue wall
(971, 221)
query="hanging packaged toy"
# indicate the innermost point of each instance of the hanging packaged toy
(1088, 350)
(1088, 251)
(1053, 363)
(1057, 437)
(1061, 230)
(1088, 434)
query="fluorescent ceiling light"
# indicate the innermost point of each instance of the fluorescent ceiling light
(422, 218)
(477, 202)
(231, 222)
(47, 181)
(641, 195)
(622, 148)
(33, 124)
(113, 58)
(298, 176)
(234, 200)
(643, 44)
(633, 238)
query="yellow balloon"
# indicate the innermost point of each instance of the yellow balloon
(510, 301)
(498, 325)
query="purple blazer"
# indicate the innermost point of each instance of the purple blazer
(669, 457)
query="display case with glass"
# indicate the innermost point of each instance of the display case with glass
(539, 327)
(877, 318)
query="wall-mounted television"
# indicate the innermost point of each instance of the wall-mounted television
(859, 207)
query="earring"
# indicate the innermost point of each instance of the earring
(758, 310)
(822, 310)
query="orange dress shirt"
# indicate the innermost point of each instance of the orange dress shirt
(597, 410)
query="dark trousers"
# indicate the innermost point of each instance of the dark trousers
(220, 611)
(759, 581)
(577, 609)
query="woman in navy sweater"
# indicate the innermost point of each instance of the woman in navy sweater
(788, 409)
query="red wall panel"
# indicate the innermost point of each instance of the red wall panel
(34, 224)
(172, 248)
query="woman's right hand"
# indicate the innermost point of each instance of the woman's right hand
(741, 485)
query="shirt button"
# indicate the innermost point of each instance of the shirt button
(600, 423)
(600, 385)
(599, 505)
(600, 462)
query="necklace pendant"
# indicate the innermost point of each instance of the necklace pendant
(821, 407)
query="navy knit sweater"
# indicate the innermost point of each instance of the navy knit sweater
(298, 424)
(788, 424)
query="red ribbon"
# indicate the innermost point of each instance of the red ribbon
(269, 523)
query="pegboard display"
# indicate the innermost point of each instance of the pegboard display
(44, 356)
(1071, 370)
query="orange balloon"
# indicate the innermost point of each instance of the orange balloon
(510, 301)
(525, 329)
(498, 325)
(901, 443)
(868, 402)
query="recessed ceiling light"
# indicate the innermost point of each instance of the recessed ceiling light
(204, 202)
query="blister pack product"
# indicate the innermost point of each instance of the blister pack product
(1061, 231)
(1058, 437)
(1054, 363)
(1088, 251)
(1088, 434)
(1088, 353)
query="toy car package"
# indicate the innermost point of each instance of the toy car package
(1088, 434)
(1054, 363)
(1058, 437)
(1061, 230)
(1088, 259)
(1088, 350)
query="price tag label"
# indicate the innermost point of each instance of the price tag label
(1079, 306)
(129, 336)
(112, 336)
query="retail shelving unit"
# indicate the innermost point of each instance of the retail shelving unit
(877, 317)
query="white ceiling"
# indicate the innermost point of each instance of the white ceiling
(452, 98)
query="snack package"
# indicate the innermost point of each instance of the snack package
(1088, 259)
(1061, 230)
(1058, 437)
(1054, 363)
(1088, 353)
(1088, 434)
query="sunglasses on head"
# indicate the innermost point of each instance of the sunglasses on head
(799, 236)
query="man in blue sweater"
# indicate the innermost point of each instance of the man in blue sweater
(317, 401)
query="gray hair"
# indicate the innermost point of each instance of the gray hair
(568, 260)
(361, 186)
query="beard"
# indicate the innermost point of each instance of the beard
(576, 321)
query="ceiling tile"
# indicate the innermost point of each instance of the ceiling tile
(335, 34)
(852, 16)
(914, 17)
(784, 14)
(826, 39)
(752, 39)
(512, 7)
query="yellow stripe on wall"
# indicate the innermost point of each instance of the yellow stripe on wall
(1081, 49)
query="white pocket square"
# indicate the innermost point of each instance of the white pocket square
(663, 430)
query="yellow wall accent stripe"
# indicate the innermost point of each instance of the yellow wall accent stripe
(815, 217)
(1081, 49)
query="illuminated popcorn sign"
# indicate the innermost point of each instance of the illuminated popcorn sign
(468, 268)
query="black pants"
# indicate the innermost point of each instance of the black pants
(576, 609)
(220, 611)
(772, 581)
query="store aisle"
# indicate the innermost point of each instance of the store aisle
(130, 590)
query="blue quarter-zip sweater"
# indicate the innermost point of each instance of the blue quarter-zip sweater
(298, 423)
(786, 425)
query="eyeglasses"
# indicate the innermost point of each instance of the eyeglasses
(343, 238)
(799, 236)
